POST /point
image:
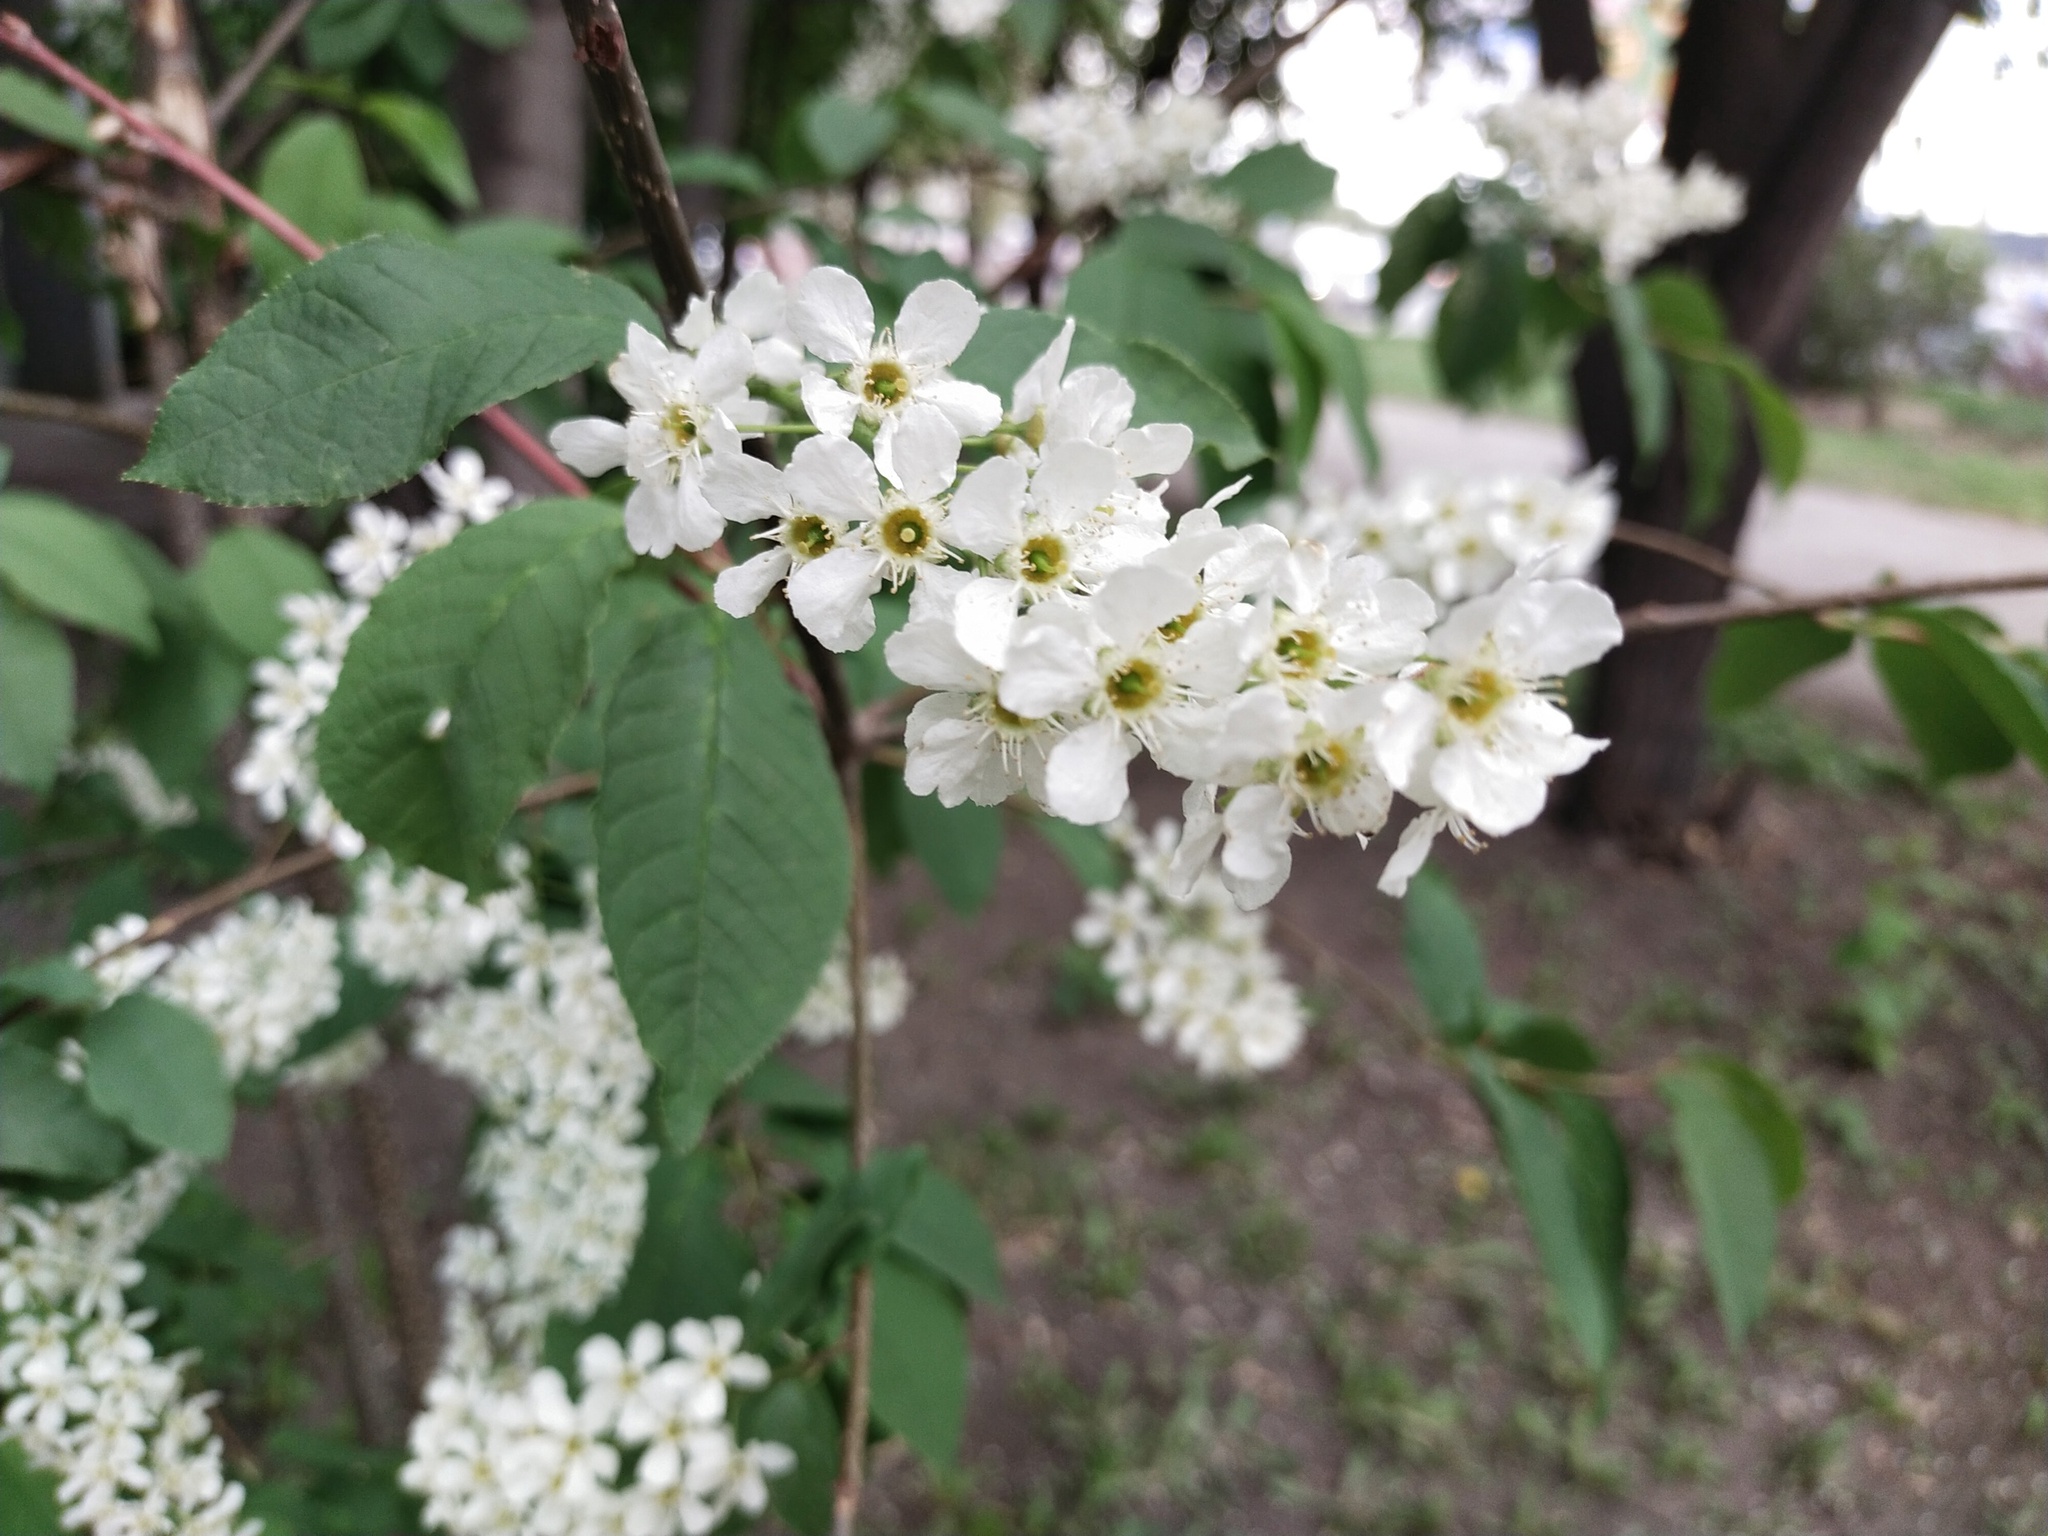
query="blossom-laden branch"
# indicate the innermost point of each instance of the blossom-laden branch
(1663, 618)
(20, 37)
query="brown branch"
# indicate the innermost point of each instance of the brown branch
(1244, 86)
(73, 413)
(629, 133)
(1678, 546)
(1662, 618)
(414, 1308)
(28, 162)
(268, 47)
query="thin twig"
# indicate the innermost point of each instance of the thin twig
(28, 162)
(268, 47)
(1246, 85)
(1662, 618)
(19, 36)
(629, 133)
(413, 1306)
(1678, 546)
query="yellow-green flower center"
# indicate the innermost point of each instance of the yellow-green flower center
(1302, 652)
(680, 425)
(1136, 685)
(887, 383)
(906, 533)
(1044, 560)
(1477, 694)
(1322, 767)
(1174, 629)
(809, 537)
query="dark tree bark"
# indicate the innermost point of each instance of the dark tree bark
(717, 95)
(522, 118)
(1795, 107)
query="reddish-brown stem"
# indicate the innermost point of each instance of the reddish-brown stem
(19, 36)
(1661, 618)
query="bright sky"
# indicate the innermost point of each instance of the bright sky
(1968, 147)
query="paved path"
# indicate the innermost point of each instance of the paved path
(1816, 539)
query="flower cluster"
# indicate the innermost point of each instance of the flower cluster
(1061, 629)
(1567, 147)
(1463, 537)
(1100, 152)
(826, 1013)
(259, 978)
(1189, 964)
(293, 689)
(533, 1457)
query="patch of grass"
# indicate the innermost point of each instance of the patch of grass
(1268, 1242)
(1213, 1145)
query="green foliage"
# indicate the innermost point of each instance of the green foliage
(1642, 370)
(800, 1415)
(1434, 231)
(1757, 658)
(155, 1069)
(343, 33)
(1089, 856)
(1895, 976)
(961, 847)
(706, 165)
(919, 1372)
(1478, 328)
(313, 175)
(1741, 1154)
(849, 1226)
(2012, 696)
(46, 1126)
(974, 120)
(1894, 296)
(37, 684)
(429, 138)
(71, 566)
(942, 1230)
(494, 629)
(44, 111)
(243, 577)
(1284, 179)
(845, 135)
(723, 863)
(1950, 726)
(28, 1495)
(53, 980)
(352, 373)
(1709, 396)
(496, 24)
(1445, 960)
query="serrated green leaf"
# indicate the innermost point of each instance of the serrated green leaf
(1089, 856)
(46, 1125)
(2014, 698)
(70, 565)
(724, 865)
(1953, 733)
(1642, 372)
(1478, 335)
(1445, 959)
(846, 135)
(313, 175)
(961, 847)
(1729, 1177)
(1760, 656)
(800, 1415)
(494, 628)
(243, 577)
(37, 696)
(44, 111)
(706, 165)
(1709, 395)
(919, 1370)
(157, 1070)
(351, 373)
(1573, 1183)
(429, 138)
(496, 24)
(1434, 231)
(1284, 179)
(942, 1228)
(343, 33)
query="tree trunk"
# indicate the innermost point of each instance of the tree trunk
(1796, 112)
(717, 94)
(522, 121)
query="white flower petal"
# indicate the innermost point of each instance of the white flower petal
(973, 410)
(1087, 774)
(1138, 599)
(831, 476)
(1094, 403)
(1035, 390)
(984, 616)
(1412, 851)
(590, 445)
(833, 316)
(1048, 670)
(740, 589)
(830, 408)
(1074, 478)
(757, 304)
(724, 364)
(923, 451)
(745, 490)
(935, 325)
(831, 595)
(653, 513)
(986, 515)
(1158, 449)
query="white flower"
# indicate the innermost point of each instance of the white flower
(888, 374)
(826, 1013)
(371, 552)
(1102, 154)
(117, 961)
(259, 978)
(682, 409)
(618, 1382)
(731, 1476)
(1478, 733)
(709, 1353)
(461, 485)
(289, 694)
(321, 624)
(967, 18)
(829, 486)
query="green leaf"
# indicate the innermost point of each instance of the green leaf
(495, 630)
(157, 1070)
(1709, 438)
(1758, 657)
(1573, 1183)
(1169, 388)
(351, 374)
(1780, 435)
(918, 1374)
(46, 1126)
(497, 24)
(2013, 697)
(73, 567)
(343, 33)
(400, 213)
(429, 138)
(44, 111)
(1285, 179)
(313, 175)
(846, 135)
(706, 165)
(1684, 315)
(973, 118)
(175, 704)
(28, 1495)
(37, 689)
(243, 577)
(724, 866)
(1730, 1178)
(1642, 371)
(942, 1228)
(1445, 959)
(1089, 856)
(1542, 1041)
(54, 981)
(1952, 731)
(426, 45)
(800, 1415)
(1478, 334)
(514, 235)
(961, 846)
(787, 1089)
(1433, 232)
(1774, 1126)
(854, 1219)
